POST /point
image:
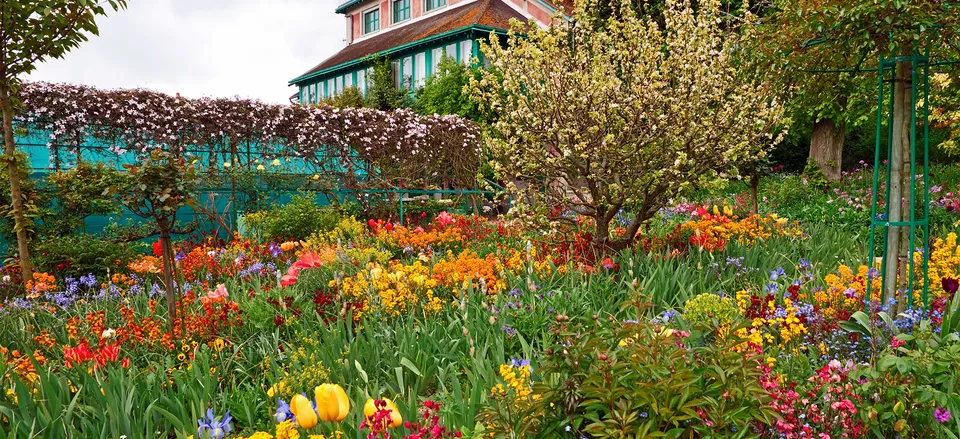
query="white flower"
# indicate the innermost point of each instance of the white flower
(108, 333)
(6, 278)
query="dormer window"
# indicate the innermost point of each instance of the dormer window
(401, 10)
(434, 4)
(371, 20)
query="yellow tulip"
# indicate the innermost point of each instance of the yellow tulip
(332, 402)
(303, 412)
(369, 409)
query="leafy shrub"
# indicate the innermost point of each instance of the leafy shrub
(815, 176)
(81, 192)
(78, 255)
(711, 310)
(639, 379)
(294, 221)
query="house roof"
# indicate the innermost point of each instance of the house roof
(485, 13)
(567, 5)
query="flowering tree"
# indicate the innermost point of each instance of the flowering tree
(625, 116)
(359, 148)
(32, 31)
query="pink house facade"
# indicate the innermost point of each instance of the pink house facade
(414, 35)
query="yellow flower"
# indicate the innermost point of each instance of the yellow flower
(260, 167)
(277, 389)
(332, 402)
(303, 412)
(370, 409)
(226, 164)
(275, 162)
(286, 430)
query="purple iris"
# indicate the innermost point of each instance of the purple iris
(218, 429)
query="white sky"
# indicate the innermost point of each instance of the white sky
(247, 48)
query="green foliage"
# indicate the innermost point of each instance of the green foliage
(443, 92)
(159, 186)
(37, 30)
(712, 311)
(614, 379)
(909, 384)
(382, 92)
(296, 220)
(36, 200)
(86, 190)
(814, 175)
(349, 97)
(81, 254)
(112, 402)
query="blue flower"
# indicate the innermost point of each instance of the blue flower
(283, 411)
(218, 429)
(775, 274)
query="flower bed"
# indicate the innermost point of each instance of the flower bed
(714, 325)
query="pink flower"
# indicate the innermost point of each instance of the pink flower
(220, 292)
(444, 219)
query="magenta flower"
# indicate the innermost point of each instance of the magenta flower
(950, 285)
(941, 414)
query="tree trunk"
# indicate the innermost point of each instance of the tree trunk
(899, 162)
(167, 250)
(16, 195)
(754, 203)
(826, 147)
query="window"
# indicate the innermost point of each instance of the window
(371, 20)
(330, 89)
(401, 10)
(362, 81)
(348, 80)
(435, 59)
(466, 51)
(407, 72)
(434, 4)
(420, 69)
(339, 85)
(395, 69)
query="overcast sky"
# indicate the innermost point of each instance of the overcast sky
(247, 48)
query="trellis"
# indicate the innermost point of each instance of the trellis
(360, 149)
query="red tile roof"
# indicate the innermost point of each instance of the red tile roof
(490, 13)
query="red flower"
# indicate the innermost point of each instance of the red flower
(158, 249)
(77, 355)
